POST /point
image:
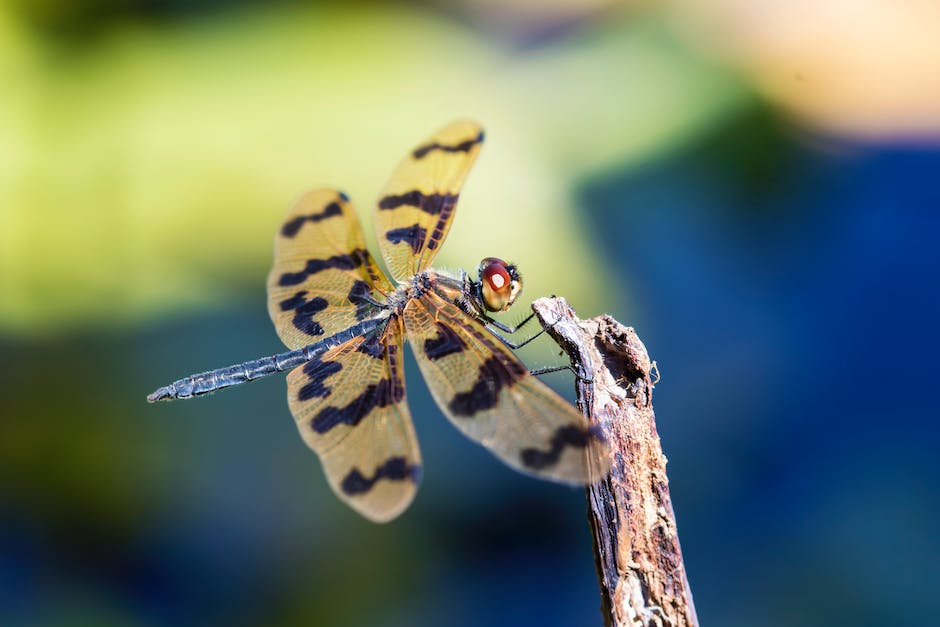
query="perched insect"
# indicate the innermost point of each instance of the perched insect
(345, 322)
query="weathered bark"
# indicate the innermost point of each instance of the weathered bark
(636, 546)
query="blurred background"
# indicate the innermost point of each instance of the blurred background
(753, 185)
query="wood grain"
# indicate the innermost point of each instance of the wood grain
(636, 545)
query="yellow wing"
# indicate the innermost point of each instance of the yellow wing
(323, 275)
(349, 404)
(416, 207)
(492, 398)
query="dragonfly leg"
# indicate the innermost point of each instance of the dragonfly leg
(510, 344)
(505, 328)
(549, 369)
(493, 326)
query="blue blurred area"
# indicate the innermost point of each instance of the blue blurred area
(788, 290)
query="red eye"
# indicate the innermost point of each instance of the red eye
(496, 275)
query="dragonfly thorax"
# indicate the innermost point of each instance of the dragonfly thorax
(496, 289)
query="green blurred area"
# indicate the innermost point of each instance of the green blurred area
(145, 165)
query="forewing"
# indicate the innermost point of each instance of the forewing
(349, 404)
(416, 207)
(489, 394)
(323, 276)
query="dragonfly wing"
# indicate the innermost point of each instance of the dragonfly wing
(489, 394)
(349, 404)
(416, 208)
(323, 276)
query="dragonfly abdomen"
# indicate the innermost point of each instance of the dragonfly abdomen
(212, 380)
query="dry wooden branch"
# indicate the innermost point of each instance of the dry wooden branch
(636, 546)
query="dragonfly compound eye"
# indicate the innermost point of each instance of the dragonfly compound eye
(500, 284)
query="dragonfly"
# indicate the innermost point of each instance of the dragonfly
(345, 322)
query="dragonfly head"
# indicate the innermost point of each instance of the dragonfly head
(500, 284)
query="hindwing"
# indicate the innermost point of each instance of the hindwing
(491, 396)
(349, 404)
